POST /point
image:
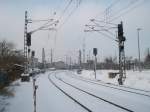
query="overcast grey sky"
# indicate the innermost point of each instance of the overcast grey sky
(69, 38)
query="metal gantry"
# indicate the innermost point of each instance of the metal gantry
(139, 54)
(95, 62)
(35, 87)
(25, 77)
(105, 28)
(43, 58)
(121, 40)
(27, 37)
(25, 44)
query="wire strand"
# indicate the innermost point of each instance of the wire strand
(127, 11)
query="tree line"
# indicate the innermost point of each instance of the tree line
(11, 60)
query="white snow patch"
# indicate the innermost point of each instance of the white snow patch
(135, 79)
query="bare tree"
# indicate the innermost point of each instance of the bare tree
(10, 61)
(6, 48)
(110, 62)
(147, 59)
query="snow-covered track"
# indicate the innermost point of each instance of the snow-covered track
(121, 88)
(83, 106)
(146, 91)
(100, 98)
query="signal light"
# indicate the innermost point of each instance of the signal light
(95, 51)
(120, 30)
(29, 50)
(33, 53)
(28, 39)
(121, 47)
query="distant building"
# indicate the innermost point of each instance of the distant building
(60, 65)
(34, 62)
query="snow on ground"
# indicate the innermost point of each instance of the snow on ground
(135, 79)
(6, 95)
(89, 101)
(21, 100)
(49, 98)
(19, 96)
(132, 101)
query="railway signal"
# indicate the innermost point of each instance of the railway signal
(28, 39)
(33, 54)
(80, 63)
(35, 87)
(32, 59)
(121, 40)
(95, 53)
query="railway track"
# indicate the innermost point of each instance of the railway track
(83, 106)
(85, 92)
(111, 86)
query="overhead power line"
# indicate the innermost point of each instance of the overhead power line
(127, 11)
(78, 2)
(65, 9)
(40, 20)
(123, 8)
(91, 29)
(108, 9)
(106, 26)
(68, 17)
(102, 21)
(110, 14)
(44, 26)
